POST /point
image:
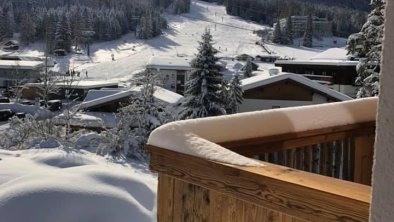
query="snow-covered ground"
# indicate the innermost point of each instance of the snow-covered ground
(47, 185)
(233, 36)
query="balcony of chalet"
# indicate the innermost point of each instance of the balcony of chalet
(311, 163)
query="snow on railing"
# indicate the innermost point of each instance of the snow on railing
(200, 137)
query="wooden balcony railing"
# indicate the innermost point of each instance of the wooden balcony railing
(319, 174)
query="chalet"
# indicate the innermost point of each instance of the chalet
(13, 72)
(174, 71)
(333, 67)
(285, 90)
(244, 57)
(99, 106)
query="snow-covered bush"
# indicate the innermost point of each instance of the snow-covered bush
(136, 121)
(23, 131)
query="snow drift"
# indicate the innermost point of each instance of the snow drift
(62, 185)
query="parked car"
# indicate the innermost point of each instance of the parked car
(11, 48)
(26, 102)
(6, 114)
(55, 105)
(20, 115)
(8, 93)
(60, 52)
(4, 100)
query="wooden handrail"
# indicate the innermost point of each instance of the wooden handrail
(255, 146)
(304, 195)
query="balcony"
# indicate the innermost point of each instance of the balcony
(310, 163)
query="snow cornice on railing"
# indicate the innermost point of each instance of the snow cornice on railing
(200, 137)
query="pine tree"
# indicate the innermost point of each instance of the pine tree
(202, 93)
(289, 31)
(63, 34)
(277, 36)
(28, 28)
(248, 69)
(235, 94)
(308, 36)
(367, 44)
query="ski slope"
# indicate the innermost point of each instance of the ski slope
(233, 36)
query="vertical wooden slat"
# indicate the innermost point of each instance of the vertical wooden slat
(330, 158)
(299, 161)
(363, 158)
(346, 157)
(201, 204)
(273, 216)
(183, 201)
(225, 208)
(338, 158)
(281, 158)
(315, 158)
(323, 159)
(288, 157)
(351, 158)
(308, 158)
(253, 213)
(165, 198)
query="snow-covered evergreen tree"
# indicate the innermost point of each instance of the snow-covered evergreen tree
(367, 45)
(27, 28)
(288, 35)
(235, 94)
(202, 93)
(308, 36)
(63, 34)
(139, 119)
(277, 35)
(248, 69)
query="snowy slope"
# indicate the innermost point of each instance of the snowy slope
(181, 39)
(50, 185)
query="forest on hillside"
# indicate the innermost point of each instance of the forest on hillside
(347, 16)
(64, 23)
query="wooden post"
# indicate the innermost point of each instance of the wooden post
(363, 159)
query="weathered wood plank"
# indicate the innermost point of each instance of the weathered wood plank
(226, 208)
(300, 194)
(183, 201)
(202, 204)
(253, 213)
(363, 159)
(165, 198)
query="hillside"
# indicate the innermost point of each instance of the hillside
(233, 36)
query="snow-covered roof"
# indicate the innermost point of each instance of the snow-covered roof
(332, 54)
(88, 84)
(99, 97)
(12, 64)
(323, 62)
(262, 80)
(167, 96)
(330, 57)
(172, 63)
(89, 120)
(201, 137)
(96, 94)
